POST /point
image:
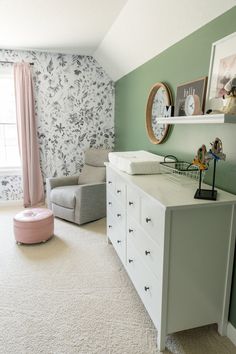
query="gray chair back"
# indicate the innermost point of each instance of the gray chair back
(94, 170)
(96, 157)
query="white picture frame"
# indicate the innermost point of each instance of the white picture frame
(222, 69)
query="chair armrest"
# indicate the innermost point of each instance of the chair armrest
(53, 182)
(90, 202)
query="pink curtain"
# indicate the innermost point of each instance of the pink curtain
(27, 135)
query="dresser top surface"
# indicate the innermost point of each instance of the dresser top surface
(171, 193)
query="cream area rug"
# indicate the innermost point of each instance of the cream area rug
(72, 295)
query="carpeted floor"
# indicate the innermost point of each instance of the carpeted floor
(72, 295)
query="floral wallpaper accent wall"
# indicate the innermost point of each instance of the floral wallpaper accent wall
(11, 188)
(74, 105)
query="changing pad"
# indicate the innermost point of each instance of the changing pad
(136, 162)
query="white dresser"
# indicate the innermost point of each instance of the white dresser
(178, 251)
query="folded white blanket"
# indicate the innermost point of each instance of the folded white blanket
(136, 162)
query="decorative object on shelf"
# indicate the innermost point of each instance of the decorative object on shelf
(159, 104)
(230, 98)
(202, 160)
(221, 74)
(230, 87)
(168, 111)
(192, 105)
(190, 98)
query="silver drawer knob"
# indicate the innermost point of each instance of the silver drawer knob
(131, 230)
(118, 215)
(147, 252)
(118, 241)
(109, 203)
(148, 220)
(118, 191)
(146, 288)
(131, 260)
(109, 182)
(131, 203)
(110, 226)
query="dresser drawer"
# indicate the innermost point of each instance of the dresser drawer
(133, 203)
(150, 252)
(153, 219)
(110, 202)
(117, 211)
(147, 286)
(110, 178)
(117, 237)
(120, 190)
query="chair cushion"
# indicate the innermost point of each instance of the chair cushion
(64, 196)
(96, 157)
(91, 174)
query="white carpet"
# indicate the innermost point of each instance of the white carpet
(72, 295)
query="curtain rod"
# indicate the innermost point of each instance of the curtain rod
(11, 62)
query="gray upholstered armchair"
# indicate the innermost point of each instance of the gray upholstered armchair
(82, 198)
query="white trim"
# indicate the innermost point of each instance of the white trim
(10, 171)
(222, 326)
(199, 119)
(8, 203)
(231, 333)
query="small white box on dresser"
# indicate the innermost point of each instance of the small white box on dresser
(178, 251)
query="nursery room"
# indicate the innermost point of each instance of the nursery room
(117, 177)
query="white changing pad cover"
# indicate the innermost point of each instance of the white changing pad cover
(136, 162)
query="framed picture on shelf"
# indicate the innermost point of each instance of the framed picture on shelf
(222, 72)
(190, 98)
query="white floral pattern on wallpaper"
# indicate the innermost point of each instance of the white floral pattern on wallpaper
(74, 103)
(11, 188)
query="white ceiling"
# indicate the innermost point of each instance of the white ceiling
(121, 34)
(69, 26)
(145, 28)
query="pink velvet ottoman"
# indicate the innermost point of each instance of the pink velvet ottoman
(33, 225)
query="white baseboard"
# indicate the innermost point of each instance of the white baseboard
(9, 203)
(231, 333)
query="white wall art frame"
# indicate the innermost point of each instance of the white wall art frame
(222, 69)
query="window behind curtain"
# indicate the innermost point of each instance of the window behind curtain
(9, 152)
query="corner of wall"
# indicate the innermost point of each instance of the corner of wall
(231, 333)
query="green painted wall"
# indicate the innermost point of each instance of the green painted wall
(187, 60)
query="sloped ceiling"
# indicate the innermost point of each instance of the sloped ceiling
(145, 28)
(67, 26)
(121, 34)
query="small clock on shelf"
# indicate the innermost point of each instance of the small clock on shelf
(192, 105)
(190, 98)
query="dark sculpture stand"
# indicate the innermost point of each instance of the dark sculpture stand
(207, 194)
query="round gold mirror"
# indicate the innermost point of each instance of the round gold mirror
(159, 97)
